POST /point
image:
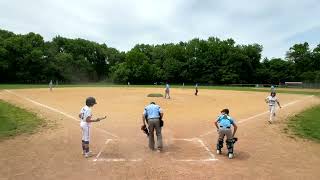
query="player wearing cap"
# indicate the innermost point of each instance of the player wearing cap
(85, 121)
(271, 101)
(152, 115)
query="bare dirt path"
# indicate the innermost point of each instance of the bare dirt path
(263, 151)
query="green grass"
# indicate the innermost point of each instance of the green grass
(306, 124)
(101, 84)
(15, 121)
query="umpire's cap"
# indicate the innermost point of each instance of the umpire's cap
(90, 101)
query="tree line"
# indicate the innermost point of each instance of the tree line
(29, 59)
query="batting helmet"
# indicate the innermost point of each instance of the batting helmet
(90, 101)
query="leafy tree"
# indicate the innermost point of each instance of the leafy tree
(29, 59)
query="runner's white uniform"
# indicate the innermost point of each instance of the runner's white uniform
(272, 105)
(85, 126)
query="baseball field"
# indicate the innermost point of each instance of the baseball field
(120, 148)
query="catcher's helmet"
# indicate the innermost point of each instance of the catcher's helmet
(226, 111)
(273, 93)
(90, 101)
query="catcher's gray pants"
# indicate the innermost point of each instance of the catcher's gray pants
(154, 124)
(225, 132)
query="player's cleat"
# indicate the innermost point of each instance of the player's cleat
(218, 151)
(230, 155)
(159, 150)
(87, 155)
(84, 152)
(270, 122)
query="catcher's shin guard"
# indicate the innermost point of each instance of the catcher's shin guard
(219, 146)
(229, 143)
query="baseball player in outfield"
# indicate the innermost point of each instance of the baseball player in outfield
(50, 85)
(223, 124)
(153, 114)
(272, 100)
(85, 121)
(196, 93)
(167, 91)
(273, 89)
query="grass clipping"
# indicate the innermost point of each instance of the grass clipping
(15, 121)
(306, 124)
(154, 95)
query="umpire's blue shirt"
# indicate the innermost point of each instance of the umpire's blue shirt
(153, 111)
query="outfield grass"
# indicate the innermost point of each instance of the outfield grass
(307, 124)
(15, 121)
(233, 88)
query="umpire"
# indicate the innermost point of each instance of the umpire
(153, 116)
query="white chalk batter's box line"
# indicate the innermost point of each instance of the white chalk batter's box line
(97, 158)
(202, 144)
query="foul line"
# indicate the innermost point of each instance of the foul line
(60, 112)
(257, 115)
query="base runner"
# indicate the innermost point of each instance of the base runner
(272, 100)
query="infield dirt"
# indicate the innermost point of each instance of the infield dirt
(263, 150)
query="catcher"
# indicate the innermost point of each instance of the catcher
(223, 124)
(152, 115)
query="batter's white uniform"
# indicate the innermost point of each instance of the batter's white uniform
(272, 105)
(85, 126)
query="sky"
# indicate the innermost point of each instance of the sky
(274, 24)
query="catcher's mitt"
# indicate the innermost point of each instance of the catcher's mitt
(234, 140)
(145, 129)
